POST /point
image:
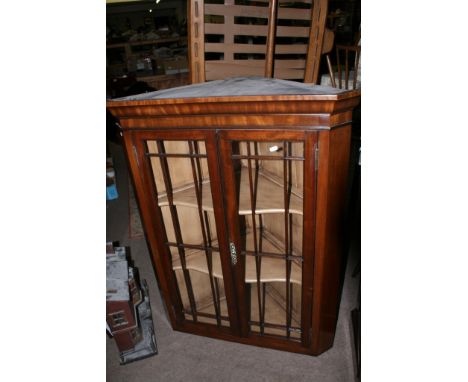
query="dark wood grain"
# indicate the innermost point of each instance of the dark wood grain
(234, 236)
(316, 39)
(321, 122)
(268, 104)
(271, 36)
(218, 192)
(331, 187)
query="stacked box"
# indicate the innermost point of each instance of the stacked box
(128, 311)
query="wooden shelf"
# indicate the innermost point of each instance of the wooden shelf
(146, 42)
(196, 261)
(131, 49)
(186, 196)
(270, 197)
(160, 77)
(272, 269)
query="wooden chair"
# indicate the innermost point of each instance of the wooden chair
(348, 51)
(276, 38)
(350, 71)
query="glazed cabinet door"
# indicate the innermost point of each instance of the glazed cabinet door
(269, 181)
(178, 187)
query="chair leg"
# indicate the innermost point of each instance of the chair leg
(338, 64)
(346, 68)
(356, 64)
(330, 71)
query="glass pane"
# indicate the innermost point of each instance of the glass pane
(181, 178)
(269, 179)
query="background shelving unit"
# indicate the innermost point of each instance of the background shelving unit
(134, 31)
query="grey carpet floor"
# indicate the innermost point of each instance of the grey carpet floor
(186, 357)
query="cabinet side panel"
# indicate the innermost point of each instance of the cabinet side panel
(334, 149)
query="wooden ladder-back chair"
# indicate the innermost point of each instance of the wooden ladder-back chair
(349, 70)
(349, 76)
(276, 38)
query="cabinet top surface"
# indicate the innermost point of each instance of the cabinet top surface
(237, 89)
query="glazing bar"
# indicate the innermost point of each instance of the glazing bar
(213, 280)
(177, 231)
(271, 254)
(258, 263)
(174, 155)
(210, 241)
(209, 315)
(260, 244)
(286, 194)
(288, 258)
(218, 299)
(262, 313)
(208, 231)
(276, 326)
(193, 246)
(267, 157)
(179, 305)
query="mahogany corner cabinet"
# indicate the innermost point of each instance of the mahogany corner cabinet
(241, 188)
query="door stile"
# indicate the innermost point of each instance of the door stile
(236, 263)
(218, 192)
